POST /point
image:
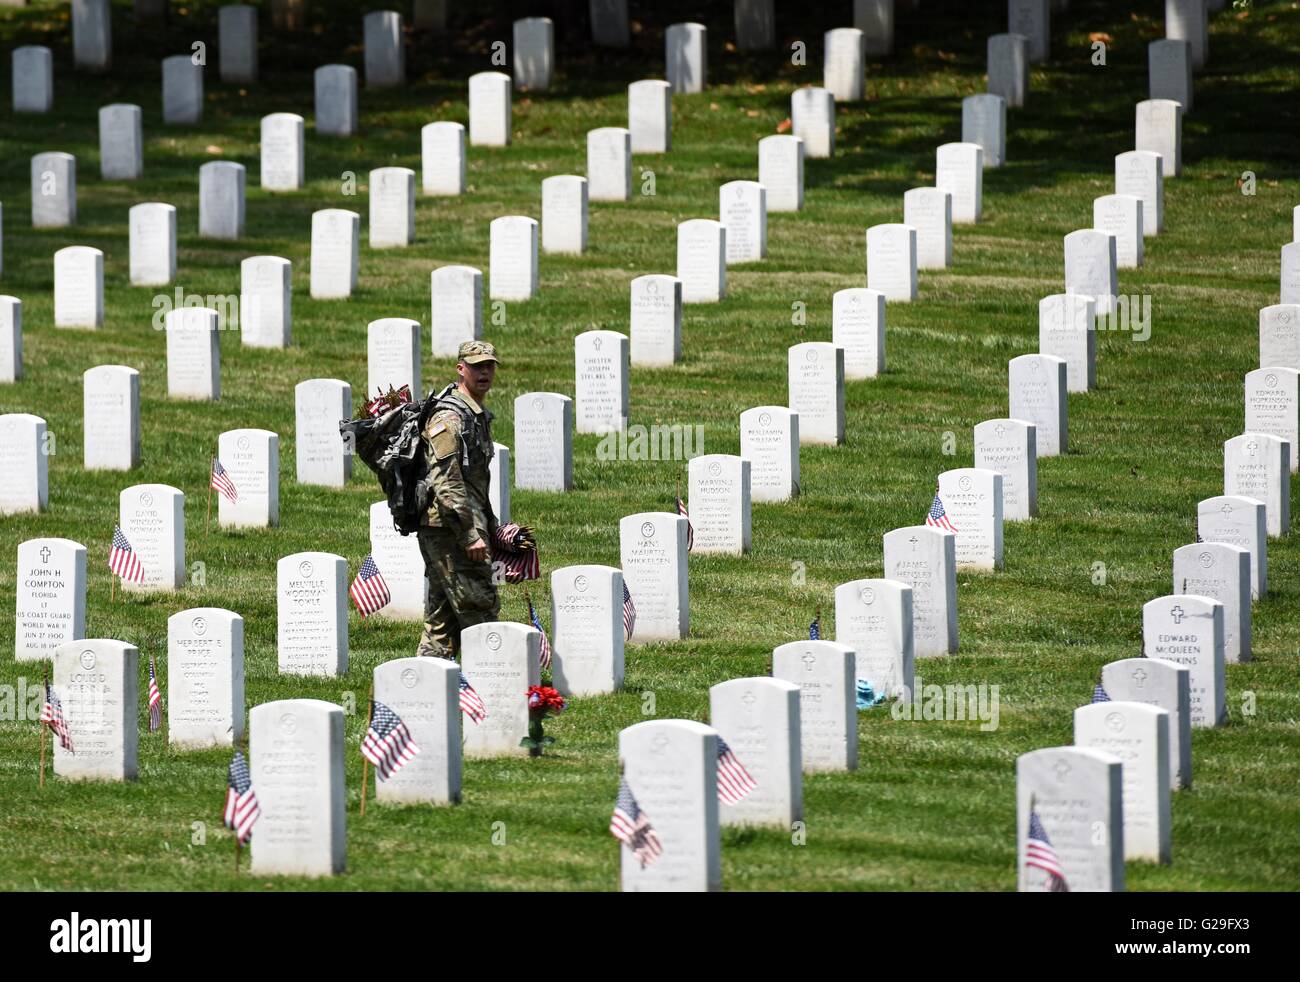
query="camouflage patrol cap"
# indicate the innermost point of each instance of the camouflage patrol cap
(474, 352)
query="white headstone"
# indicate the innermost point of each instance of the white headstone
(671, 766)
(392, 207)
(1290, 280)
(265, 302)
(1169, 69)
(652, 552)
(489, 109)
(336, 100)
(769, 440)
(656, 320)
(311, 591)
(742, 211)
(719, 496)
(759, 719)
(891, 261)
(221, 200)
(1009, 447)
(828, 708)
(959, 170)
(237, 42)
(1141, 174)
(54, 190)
(152, 243)
(609, 164)
(512, 258)
(182, 90)
(815, 380)
(296, 766)
(335, 247)
(499, 482)
(929, 211)
(534, 53)
(121, 142)
(1273, 405)
(1038, 388)
(780, 172)
(24, 464)
(686, 57)
(79, 287)
(925, 558)
(92, 35)
(1160, 130)
(501, 660)
(650, 115)
(393, 356)
(322, 458)
(152, 517)
(875, 18)
(1185, 20)
(251, 458)
(874, 618)
(1166, 685)
(600, 369)
(193, 354)
(50, 604)
(844, 63)
(702, 260)
(1032, 19)
(97, 682)
(1008, 67)
(1189, 631)
(425, 694)
(1091, 261)
(401, 564)
(205, 678)
(812, 118)
(1258, 465)
(858, 326)
(283, 161)
(442, 156)
(984, 123)
(111, 418)
(1221, 572)
(564, 214)
(11, 339)
(385, 49)
(587, 635)
(1138, 735)
(972, 500)
(1279, 335)
(1066, 329)
(543, 442)
(1241, 522)
(456, 313)
(33, 79)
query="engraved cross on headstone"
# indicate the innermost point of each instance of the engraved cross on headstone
(1000, 429)
(749, 699)
(1139, 676)
(1177, 613)
(45, 555)
(1062, 770)
(913, 541)
(809, 660)
(658, 744)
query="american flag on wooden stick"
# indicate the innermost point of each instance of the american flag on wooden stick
(630, 826)
(629, 613)
(369, 591)
(52, 716)
(734, 782)
(938, 517)
(515, 548)
(690, 529)
(545, 659)
(1040, 854)
(221, 483)
(155, 699)
(122, 559)
(471, 703)
(387, 743)
(242, 809)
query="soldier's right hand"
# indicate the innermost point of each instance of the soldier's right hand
(477, 550)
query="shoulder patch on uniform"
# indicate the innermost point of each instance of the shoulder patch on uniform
(443, 441)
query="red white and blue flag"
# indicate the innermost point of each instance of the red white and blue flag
(155, 699)
(629, 613)
(1040, 854)
(631, 827)
(122, 559)
(221, 483)
(387, 743)
(734, 781)
(369, 591)
(471, 703)
(52, 716)
(938, 517)
(242, 809)
(690, 529)
(545, 659)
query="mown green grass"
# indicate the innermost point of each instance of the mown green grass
(931, 805)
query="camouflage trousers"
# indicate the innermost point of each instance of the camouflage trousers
(461, 593)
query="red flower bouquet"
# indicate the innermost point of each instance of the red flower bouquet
(543, 702)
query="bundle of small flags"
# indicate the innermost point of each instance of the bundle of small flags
(545, 659)
(221, 483)
(938, 517)
(1039, 853)
(387, 743)
(155, 699)
(471, 703)
(52, 716)
(631, 827)
(734, 781)
(385, 401)
(369, 591)
(629, 613)
(690, 529)
(122, 559)
(515, 548)
(242, 809)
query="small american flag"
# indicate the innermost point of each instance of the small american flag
(52, 716)
(242, 809)
(815, 628)
(122, 559)
(515, 548)
(629, 613)
(545, 659)
(1099, 693)
(369, 591)
(387, 743)
(690, 529)
(221, 483)
(1039, 853)
(938, 517)
(734, 781)
(471, 703)
(630, 827)
(155, 699)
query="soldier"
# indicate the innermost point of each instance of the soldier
(458, 527)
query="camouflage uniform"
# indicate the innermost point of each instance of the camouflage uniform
(461, 590)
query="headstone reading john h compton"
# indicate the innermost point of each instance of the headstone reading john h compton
(442, 156)
(393, 356)
(425, 693)
(335, 248)
(489, 109)
(652, 551)
(600, 381)
(656, 320)
(564, 214)
(874, 618)
(1257, 465)
(251, 458)
(24, 464)
(501, 660)
(321, 457)
(828, 712)
(972, 499)
(759, 719)
(266, 302)
(769, 440)
(1010, 447)
(1138, 735)
(152, 517)
(312, 614)
(392, 207)
(336, 100)
(193, 354)
(1222, 572)
(152, 243)
(1273, 405)
(1065, 330)
(815, 379)
(79, 287)
(512, 258)
(959, 170)
(543, 442)
(1164, 684)
(686, 52)
(205, 678)
(97, 683)
(1241, 522)
(111, 418)
(1189, 631)
(719, 496)
(587, 635)
(456, 308)
(925, 558)
(650, 115)
(1038, 386)
(121, 142)
(50, 599)
(1139, 173)
(702, 260)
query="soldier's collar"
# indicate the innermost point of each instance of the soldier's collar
(469, 401)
